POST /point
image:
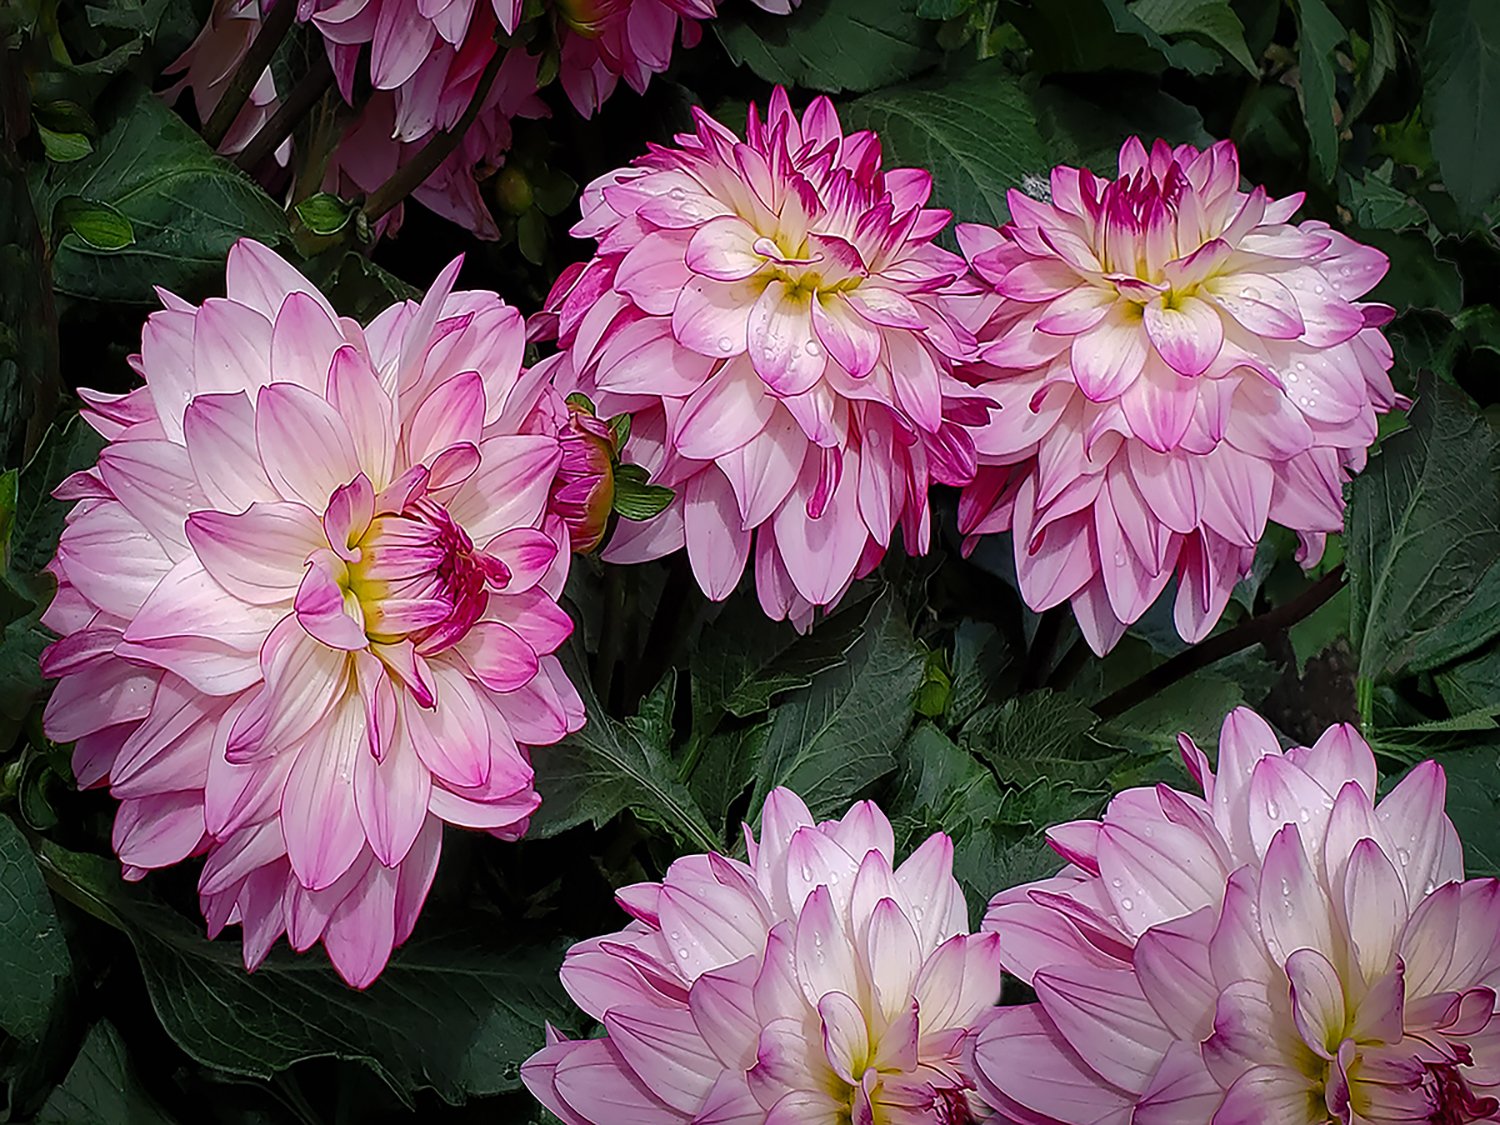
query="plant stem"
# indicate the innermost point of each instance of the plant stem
(1255, 631)
(411, 175)
(305, 94)
(671, 625)
(256, 59)
(611, 634)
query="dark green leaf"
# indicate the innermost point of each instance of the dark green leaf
(1418, 278)
(33, 955)
(356, 286)
(184, 203)
(1424, 528)
(21, 683)
(39, 519)
(832, 45)
(1087, 133)
(456, 1013)
(1195, 706)
(1320, 34)
(9, 482)
(1037, 737)
(746, 659)
(1461, 98)
(1073, 36)
(975, 133)
(979, 657)
(831, 739)
(943, 9)
(101, 1087)
(64, 148)
(636, 501)
(1474, 806)
(324, 213)
(1211, 20)
(1376, 204)
(608, 766)
(1472, 685)
(99, 225)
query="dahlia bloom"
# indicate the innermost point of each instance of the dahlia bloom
(813, 983)
(1284, 949)
(1178, 364)
(772, 313)
(373, 148)
(210, 62)
(307, 601)
(583, 493)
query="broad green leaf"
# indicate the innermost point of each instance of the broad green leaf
(1472, 685)
(185, 206)
(356, 286)
(1088, 133)
(980, 656)
(1423, 530)
(29, 379)
(1381, 60)
(832, 45)
(66, 449)
(1375, 203)
(1039, 736)
(609, 766)
(21, 683)
(1195, 706)
(637, 501)
(33, 955)
(724, 769)
(456, 1012)
(840, 733)
(9, 484)
(746, 660)
(1461, 98)
(1477, 626)
(975, 132)
(1418, 278)
(1474, 805)
(101, 1087)
(1211, 20)
(1080, 36)
(1319, 34)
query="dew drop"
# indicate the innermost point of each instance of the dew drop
(1301, 366)
(1318, 289)
(917, 912)
(1286, 888)
(1251, 293)
(813, 348)
(1116, 884)
(806, 872)
(1404, 856)
(1127, 904)
(1119, 558)
(675, 193)
(1306, 401)
(1273, 810)
(1304, 815)
(726, 344)
(682, 953)
(1291, 377)
(675, 936)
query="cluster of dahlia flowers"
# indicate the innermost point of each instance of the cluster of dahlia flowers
(307, 601)
(1175, 363)
(426, 61)
(1285, 948)
(773, 313)
(817, 982)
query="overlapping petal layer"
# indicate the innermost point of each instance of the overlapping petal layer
(818, 982)
(1285, 948)
(307, 603)
(1178, 364)
(774, 314)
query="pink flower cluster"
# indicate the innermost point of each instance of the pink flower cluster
(772, 313)
(817, 982)
(1284, 948)
(1175, 364)
(307, 603)
(426, 61)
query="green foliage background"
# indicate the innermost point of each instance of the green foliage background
(931, 688)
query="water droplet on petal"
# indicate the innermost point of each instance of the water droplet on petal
(813, 348)
(1272, 810)
(726, 344)
(1127, 904)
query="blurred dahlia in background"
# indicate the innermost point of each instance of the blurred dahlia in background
(1284, 948)
(425, 64)
(817, 982)
(773, 314)
(1178, 363)
(307, 602)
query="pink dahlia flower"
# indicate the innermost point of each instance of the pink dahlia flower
(1178, 364)
(210, 62)
(372, 149)
(772, 313)
(603, 41)
(814, 983)
(1284, 950)
(307, 601)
